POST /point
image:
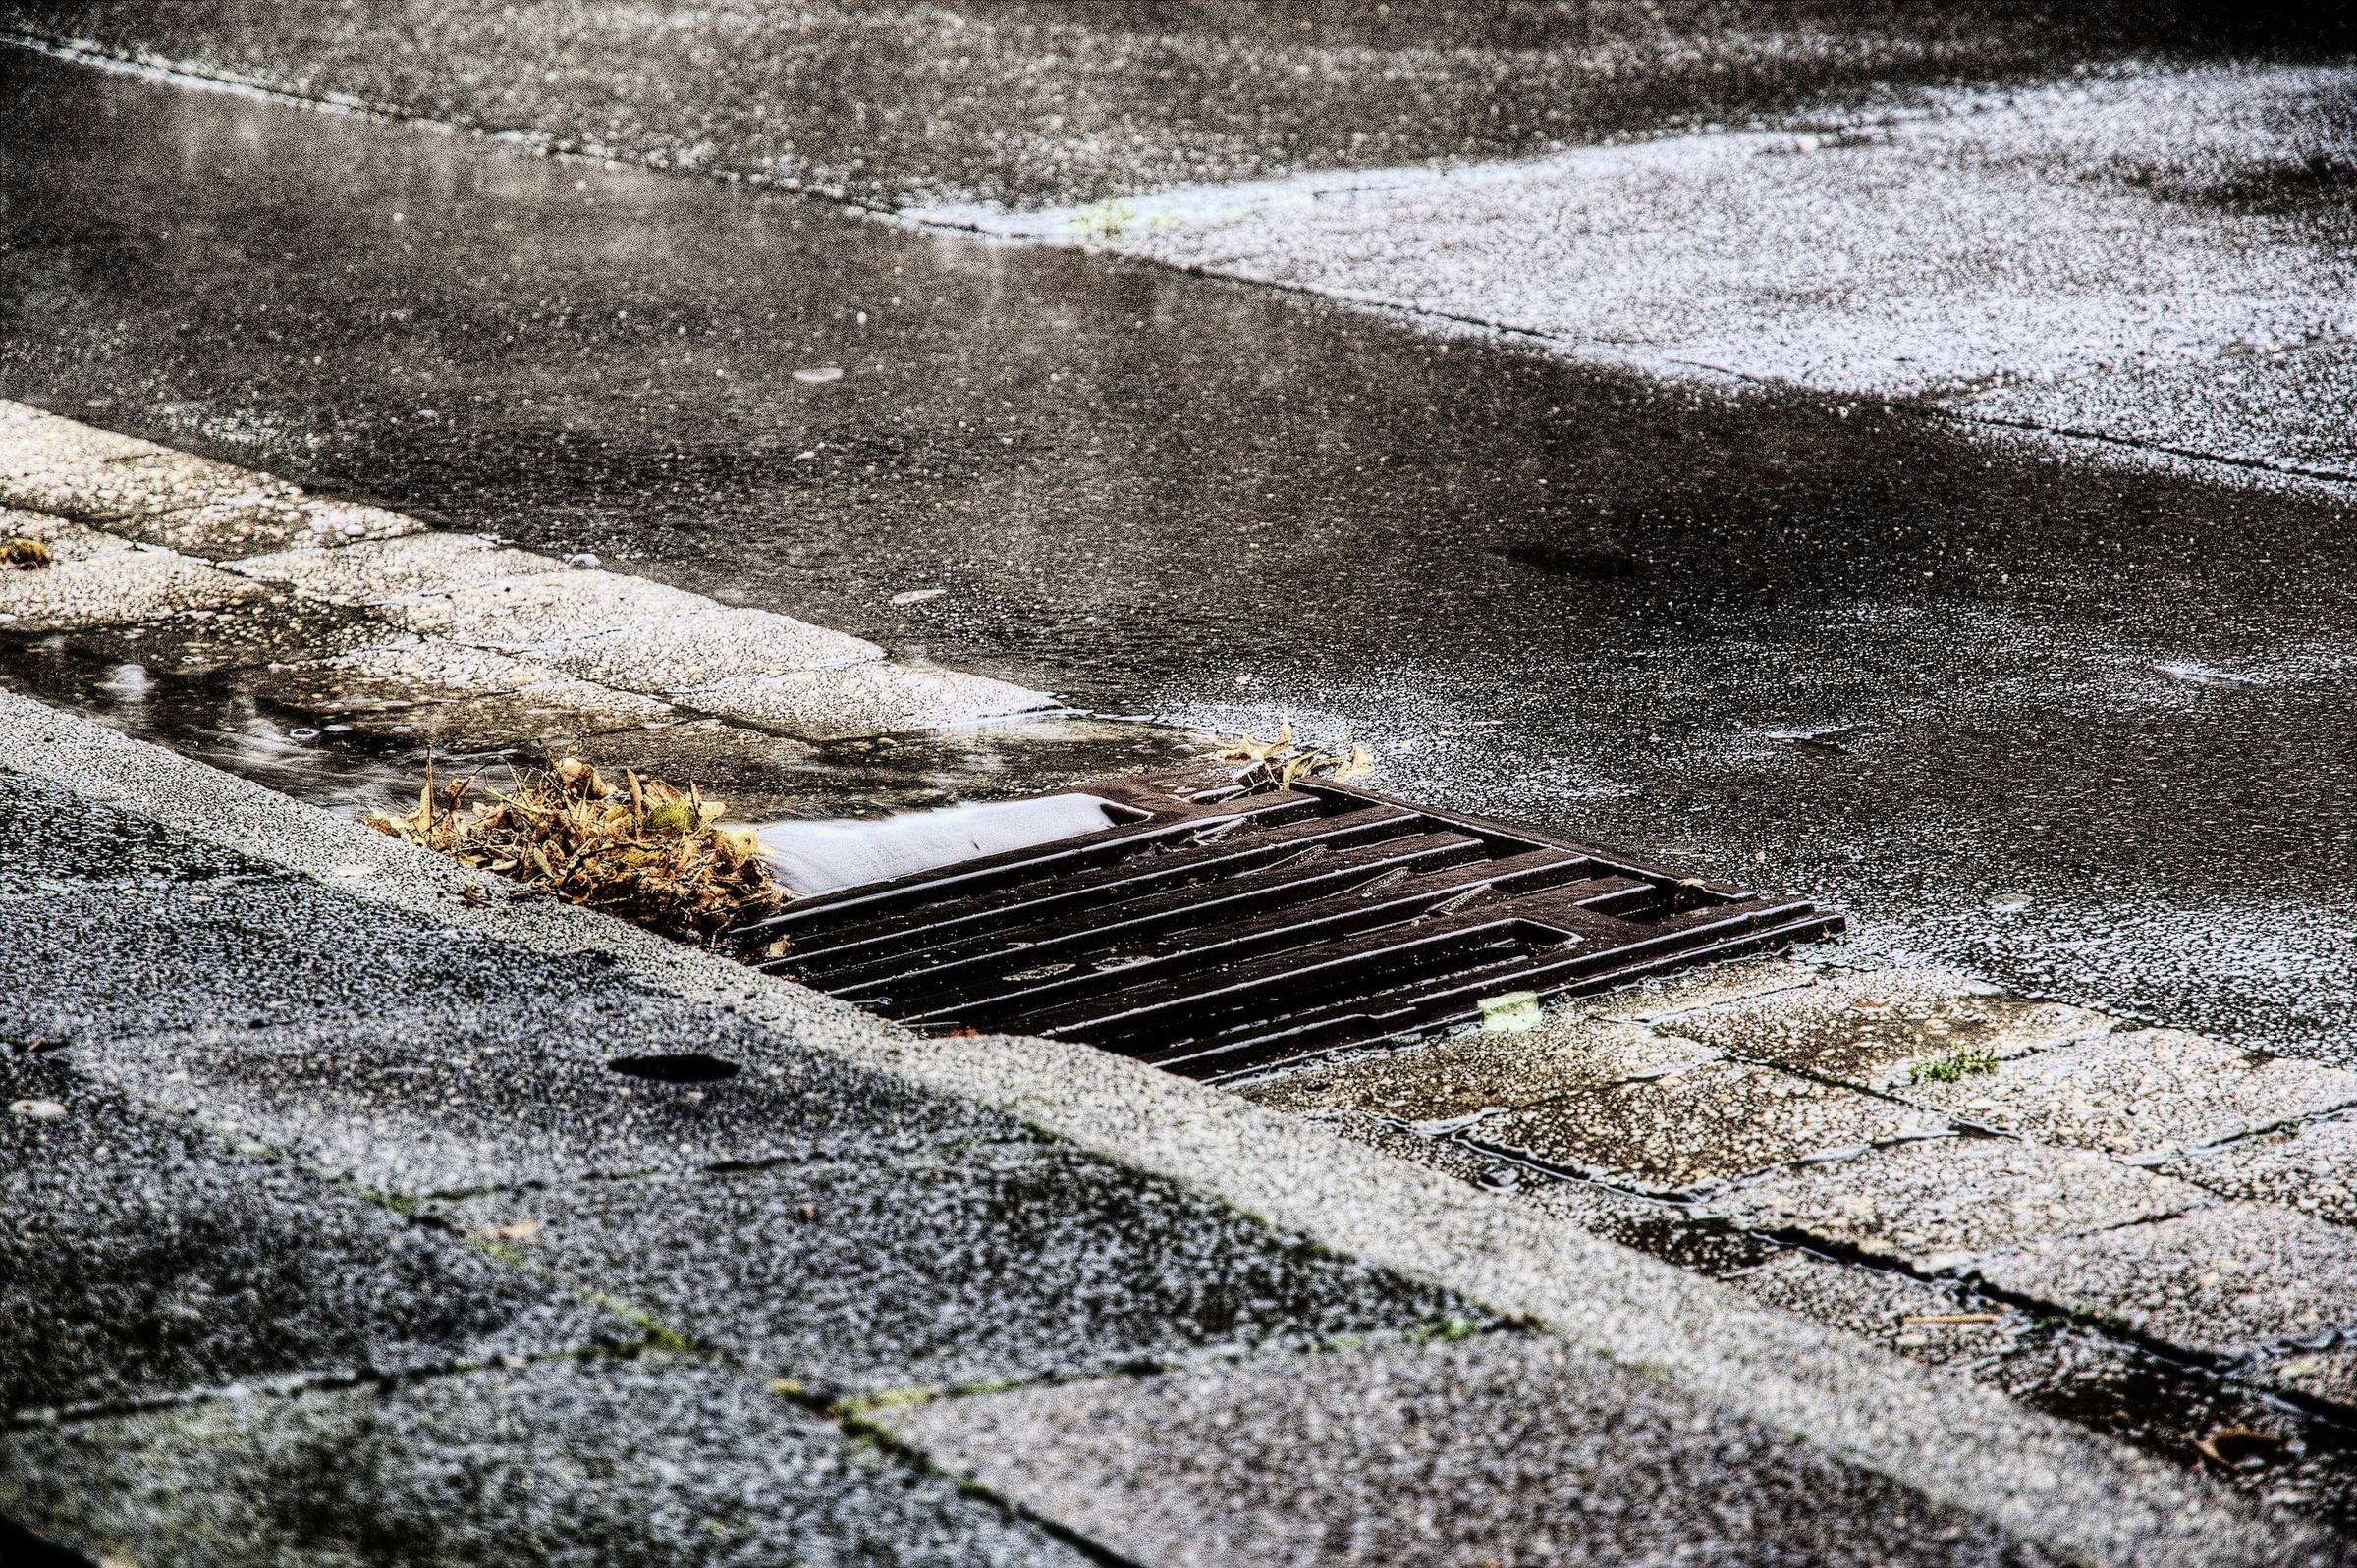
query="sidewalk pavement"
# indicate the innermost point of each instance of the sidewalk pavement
(362, 1221)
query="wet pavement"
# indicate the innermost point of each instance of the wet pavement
(1029, 102)
(2028, 652)
(838, 1304)
(2071, 725)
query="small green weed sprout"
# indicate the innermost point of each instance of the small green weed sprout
(1951, 1067)
(1104, 221)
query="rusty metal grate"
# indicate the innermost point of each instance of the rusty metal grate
(1216, 933)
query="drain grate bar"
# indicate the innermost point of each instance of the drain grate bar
(1262, 1043)
(1302, 880)
(1213, 934)
(1141, 964)
(1301, 872)
(1032, 885)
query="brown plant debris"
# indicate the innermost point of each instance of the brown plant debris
(2239, 1447)
(646, 851)
(24, 555)
(1277, 764)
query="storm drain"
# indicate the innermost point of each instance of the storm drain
(1213, 933)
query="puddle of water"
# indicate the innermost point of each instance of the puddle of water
(353, 759)
(814, 857)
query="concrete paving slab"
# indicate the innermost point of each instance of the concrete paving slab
(1707, 1125)
(450, 696)
(173, 499)
(1653, 1001)
(541, 1086)
(230, 523)
(1875, 1028)
(868, 699)
(458, 699)
(1601, 1210)
(1466, 1073)
(1933, 1205)
(2140, 1093)
(590, 1464)
(1675, 1232)
(142, 1259)
(1507, 1448)
(982, 1263)
(2283, 407)
(518, 612)
(1935, 1322)
(633, 634)
(1659, 1228)
(2224, 1281)
(378, 570)
(115, 588)
(402, 671)
(33, 440)
(2308, 1166)
(67, 541)
(682, 652)
(109, 962)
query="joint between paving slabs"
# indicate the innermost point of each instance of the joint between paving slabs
(853, 1416)
(1443, 1330)
(1958, 1125)
(2120, 1347)
(1685, 1204)
(2190, 1155)
(655, 1336)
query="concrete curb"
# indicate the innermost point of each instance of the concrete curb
(2078, 1495)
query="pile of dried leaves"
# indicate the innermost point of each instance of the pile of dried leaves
(22, 555)
(1277, 764)
(646, 851)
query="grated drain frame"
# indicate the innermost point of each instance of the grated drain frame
(1218, 934)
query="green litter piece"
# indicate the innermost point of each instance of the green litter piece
(1511, 1013)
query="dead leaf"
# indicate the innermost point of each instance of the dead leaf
(647, 850)
(25, 555)
(2235, 1447)
(520, 1231)
(1282, 762)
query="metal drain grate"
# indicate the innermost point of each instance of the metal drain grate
(1216, 933)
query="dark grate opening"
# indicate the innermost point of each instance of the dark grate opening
(1218, 934)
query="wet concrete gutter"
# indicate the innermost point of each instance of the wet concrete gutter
(2074, 1495)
